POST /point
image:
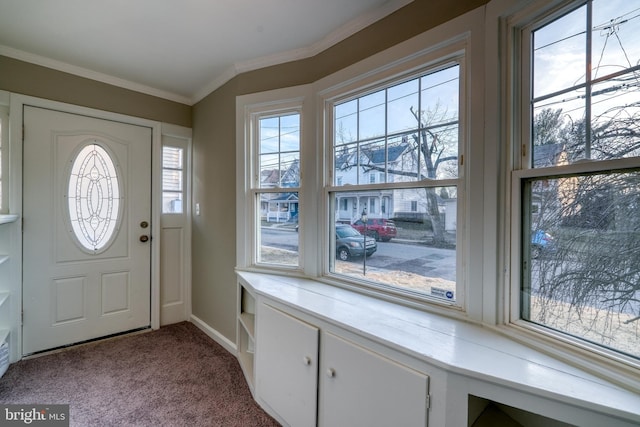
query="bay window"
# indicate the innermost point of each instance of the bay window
(366, 174)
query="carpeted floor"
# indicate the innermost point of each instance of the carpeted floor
(176, 376)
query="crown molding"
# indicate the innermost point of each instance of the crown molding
(331, 39)
(335, 37)
(91, 74)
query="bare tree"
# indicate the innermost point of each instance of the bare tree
(594, 271)
(431, 148)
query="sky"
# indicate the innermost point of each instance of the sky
(560, 57)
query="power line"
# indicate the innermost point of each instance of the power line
(389, 101)
(600, 27)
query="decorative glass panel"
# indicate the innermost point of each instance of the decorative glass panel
(94, 197)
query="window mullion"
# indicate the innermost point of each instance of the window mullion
(589, 86)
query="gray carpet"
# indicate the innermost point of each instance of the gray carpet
(176, 376)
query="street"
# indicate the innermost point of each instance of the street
(393, 255)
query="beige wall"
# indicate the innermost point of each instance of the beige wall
(34, 80)
(214, 244)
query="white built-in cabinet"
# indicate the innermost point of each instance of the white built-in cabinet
(307, 375)
(318, 355)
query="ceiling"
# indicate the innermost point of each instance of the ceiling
(177, 49)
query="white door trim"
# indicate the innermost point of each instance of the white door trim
(15, 193)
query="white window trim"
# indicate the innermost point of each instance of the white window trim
(448, 54)
(248, 109)
(609, 364)
(463, 33)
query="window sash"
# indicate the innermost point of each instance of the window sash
(258, 154)
(336, 185)
(524, 171)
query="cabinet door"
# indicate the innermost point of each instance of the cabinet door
(286, 366)
(361, 388)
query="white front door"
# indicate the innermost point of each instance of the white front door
(86, 228)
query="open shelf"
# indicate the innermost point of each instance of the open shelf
(246, 332)
(248, 322)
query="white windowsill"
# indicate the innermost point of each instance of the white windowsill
(449, 344)
(7, 218)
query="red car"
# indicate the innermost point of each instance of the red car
(378, 228)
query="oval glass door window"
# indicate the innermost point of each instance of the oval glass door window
(94, 198)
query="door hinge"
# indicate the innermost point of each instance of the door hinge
(428, 401)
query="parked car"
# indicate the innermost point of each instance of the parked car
(380, 229)
(540, 241)
(350, 243)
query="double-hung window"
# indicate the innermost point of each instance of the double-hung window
(395, 182)
(275, 186)
(577, 176)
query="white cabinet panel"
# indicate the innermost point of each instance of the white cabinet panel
(287, 366)
(362, 388)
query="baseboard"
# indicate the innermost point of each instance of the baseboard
(215, 335)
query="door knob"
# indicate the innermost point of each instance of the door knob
(331, 372)
(144, 238)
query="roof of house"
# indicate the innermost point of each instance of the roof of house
(375, 156)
